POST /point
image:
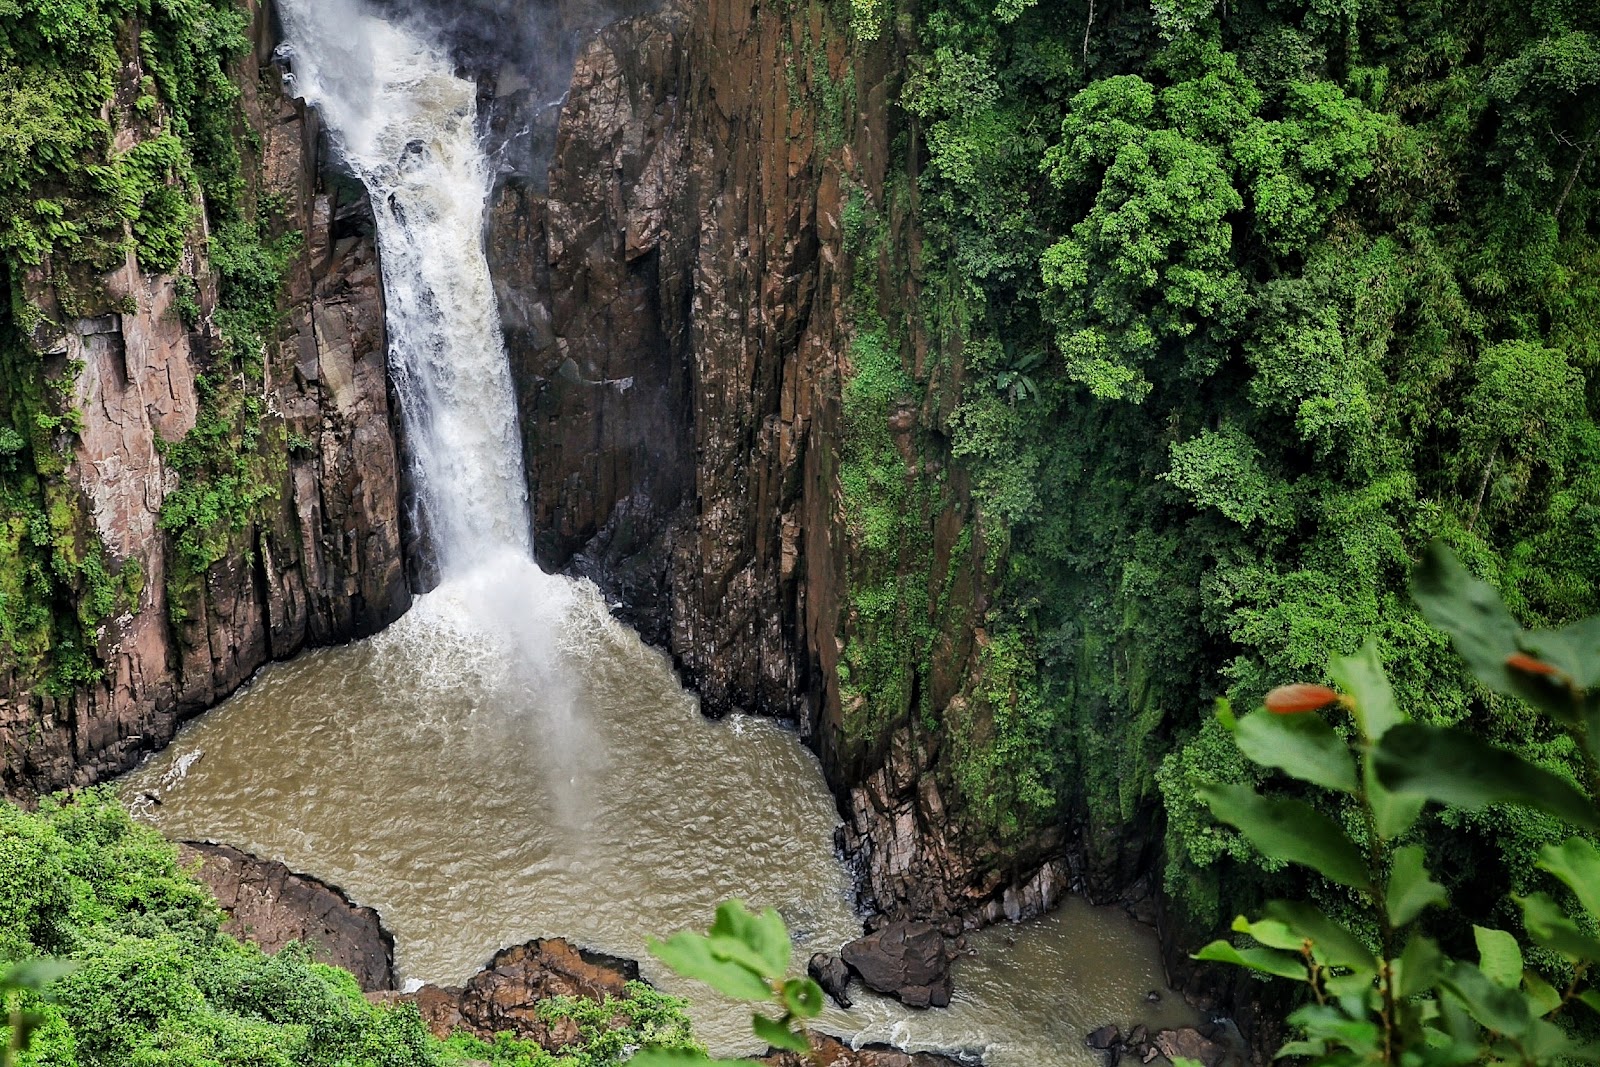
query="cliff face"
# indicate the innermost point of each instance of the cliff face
(319, 559)
(727, 215)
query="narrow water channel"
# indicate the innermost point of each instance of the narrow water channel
(404, 770)
(507, 762)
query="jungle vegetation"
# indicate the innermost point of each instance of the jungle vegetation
(147, 977)
(1252, 300)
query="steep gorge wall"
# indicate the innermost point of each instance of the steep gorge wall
(698, 302)
(318, 558)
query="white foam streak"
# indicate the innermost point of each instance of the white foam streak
(496, 626)
(407, 126)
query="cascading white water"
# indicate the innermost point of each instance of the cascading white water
(407, 126)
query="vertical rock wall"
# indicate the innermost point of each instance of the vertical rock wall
(680, 299)
(322, 560)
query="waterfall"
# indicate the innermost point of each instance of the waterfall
(407, 126)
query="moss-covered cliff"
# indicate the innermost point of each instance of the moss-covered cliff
(197, 469)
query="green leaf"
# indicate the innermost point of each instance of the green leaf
(1324, 1021)
(1574, 649)
(1486, 635)
(1411, 889)
(1577, 863)
(1591, 998)
(1419, 966)
(36, 974)
(1544, 995)
(1392, 813)
(690, 955)
(802, 997)
(1362, 676)
(1550, 927)
(1289, 830)
(1490, 1003)
(1471, 612)
(759, 940)
(1456, 768)
(1499, 956)
(1302, 746)
(1264, 960)
(778, 1035)
(1330, 941)
(1271, 933)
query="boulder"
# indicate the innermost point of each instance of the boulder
(270, 905)
(909, 961)
(505, 995)
(1190, 1044)
(829, 1051)
(831, 973)
(1104, 1038)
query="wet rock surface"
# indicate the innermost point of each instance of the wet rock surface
(677, 291)
(833, 975)
(829, 1051)
(270, 905)
(505, 995)
(905, 960)
(1203, 1044)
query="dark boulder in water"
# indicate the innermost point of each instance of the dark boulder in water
(905, 960)
(832, 974)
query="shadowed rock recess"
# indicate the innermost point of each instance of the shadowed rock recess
(320, 560)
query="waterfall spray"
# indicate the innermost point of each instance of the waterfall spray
(406, 126)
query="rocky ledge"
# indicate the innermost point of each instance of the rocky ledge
(1205, 1044)
(270, 905)
(829, 1051)
(504, 997)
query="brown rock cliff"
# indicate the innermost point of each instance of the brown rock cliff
(321, 562)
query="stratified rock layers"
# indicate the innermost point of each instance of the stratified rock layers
(322, 560)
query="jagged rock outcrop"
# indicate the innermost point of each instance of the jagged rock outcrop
(270, 905)
(504, 997)
(320, 563)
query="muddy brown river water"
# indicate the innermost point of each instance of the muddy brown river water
(477, 804)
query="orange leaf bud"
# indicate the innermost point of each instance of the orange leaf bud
(1521, 661)
(1296, 699)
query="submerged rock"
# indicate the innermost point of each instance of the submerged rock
(1104, 1038)
(905, 960)
(833, 975)
(270, 905)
